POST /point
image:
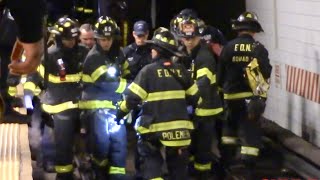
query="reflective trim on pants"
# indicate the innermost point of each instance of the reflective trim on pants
(64, 169)
(202, 167)
(117, 170)
(251, 151)
(229, 140)
(100, 163)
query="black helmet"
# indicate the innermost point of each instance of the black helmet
(190, 27)
(106, 27)
(188, 13)
(65, 28)
(212, 34)
(164, 41)
(160, 30)
(247, 21)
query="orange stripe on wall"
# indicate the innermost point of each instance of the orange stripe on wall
(303, 83)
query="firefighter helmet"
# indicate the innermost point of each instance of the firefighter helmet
(188, 13)
(247, 21)
(106, 27)
(185, 13)
(190, 27)
(160, 30)
(65, 28)
(164, 41)
(214, 35)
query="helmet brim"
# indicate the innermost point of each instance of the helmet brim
(173, 52)
(248, 25)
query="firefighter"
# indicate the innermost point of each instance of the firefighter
(161, 88)
(59, 103)
(201, 63)
(138, 53)
(103, 86)
(238, 96)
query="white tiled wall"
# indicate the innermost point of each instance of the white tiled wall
(292, 36)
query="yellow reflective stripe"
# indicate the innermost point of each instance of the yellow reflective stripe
(165, 95)
(12, 90)
(208, 112)
(53, 109)
(202, 167)
(69, 78)
(157, 178)
(40, 69)
(96, 104)
(238, 95)
(101, 163)
(123, 106)
(229, 140)
(29, 86)
(56, 79)
(122, 85)
(176, 143)
(135, 88)
(87, 78)
(88, 11)
(205, 71)
(79, 8)
(37, 91)
(125, 65)
(164, 126)
(117, 170)
(192, 90)
(252, 151)
(64, 169)
(126, 72)
(98, 72)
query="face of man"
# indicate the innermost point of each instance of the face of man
(216, 48)
(140, 39)
(87, 38)
(69, 43)
(105, 43)
(191, 42)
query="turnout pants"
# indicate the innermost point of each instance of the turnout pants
(239, 128)
(203, 138)
(64, 129)
(108, 144)
(151, 160)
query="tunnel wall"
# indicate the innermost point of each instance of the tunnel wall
(292, 36)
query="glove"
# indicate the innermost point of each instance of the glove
(119, 116)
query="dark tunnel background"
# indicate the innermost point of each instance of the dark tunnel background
(217, 13)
